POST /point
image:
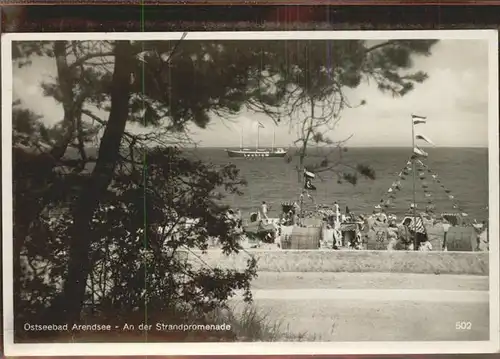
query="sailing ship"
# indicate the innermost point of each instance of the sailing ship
(258, 152)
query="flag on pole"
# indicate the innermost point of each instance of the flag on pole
(309, 186)
(419, 152)
(308, 174)
(308, 180)
(425, 138)
(418, 119)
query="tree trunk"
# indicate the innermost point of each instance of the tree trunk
(27, 208)
(69, 304)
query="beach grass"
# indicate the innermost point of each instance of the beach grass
(250, 323)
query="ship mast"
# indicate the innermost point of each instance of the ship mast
(258, 133)
(241, 139)
(274, 138)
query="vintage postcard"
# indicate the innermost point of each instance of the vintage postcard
(202, 193)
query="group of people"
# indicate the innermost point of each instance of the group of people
(397, 235)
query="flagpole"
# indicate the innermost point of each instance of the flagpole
(302, 191)
(274, 138)
(414, 184)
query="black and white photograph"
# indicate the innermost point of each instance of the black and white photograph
(300, 192)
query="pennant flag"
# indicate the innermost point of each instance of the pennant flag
(309, 175)
(418, 119)
(425, 138)
(419, 152)
(309, 186)
(261, 125)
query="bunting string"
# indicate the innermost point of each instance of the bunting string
(422, 172)
(387, 200)
(430, 206)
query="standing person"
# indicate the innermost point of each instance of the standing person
(479, 229)
(337, 235)
(382, 217)
(392, 236)
(263, 212)
(405, 234)
(446, 228)
(336, 211)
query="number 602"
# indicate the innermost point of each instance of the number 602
(463, 325)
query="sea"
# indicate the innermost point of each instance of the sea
(462, 171)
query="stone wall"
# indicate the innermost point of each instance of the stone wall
(474, 263)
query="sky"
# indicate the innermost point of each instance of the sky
(454, 99)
